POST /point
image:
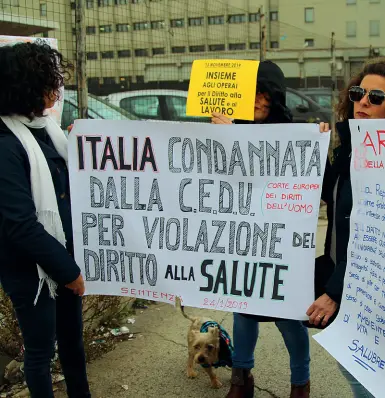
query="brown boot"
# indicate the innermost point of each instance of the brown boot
(242, 384)
(300, 391)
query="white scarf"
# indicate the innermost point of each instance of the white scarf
(43, 191)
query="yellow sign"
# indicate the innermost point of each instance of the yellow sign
(224, 86)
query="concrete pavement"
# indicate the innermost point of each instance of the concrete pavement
(154, 365)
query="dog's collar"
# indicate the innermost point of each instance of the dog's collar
(226, 349)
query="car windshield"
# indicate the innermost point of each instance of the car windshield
(325, 100)
(102, 108)
(106, 110)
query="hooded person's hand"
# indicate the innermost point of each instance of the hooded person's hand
(324, 127)
(218, 118)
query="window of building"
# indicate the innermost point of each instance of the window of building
(216, 47)
(43, 9)
(73, 31)
(349, 2)
(124, 53)
(309, 42)
(195, 21)
(91, 30)
(177, 23)
(197, 49)
(140, 25)
(104, 3)
(158, 51)
(73, 5)
(273, 15)
(217, 20)
(90, 4)
(125, 79)
(374, 28)
(309, 14)
(178, 49)
(141, 52)
(157, 24)
(274, 44)
(109, 81)
(93, 81)
(122, 27)
(237, 46)
(121, 2)
(107, 54)
(237, 18)
(92, 55)
(9, 3)
(351, 29)
(105, 28)
(255, 45)
(254, 17)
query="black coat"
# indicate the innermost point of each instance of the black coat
(340, 170)
(272, 81)
(23, 240)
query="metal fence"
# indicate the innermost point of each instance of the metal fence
(127, 45)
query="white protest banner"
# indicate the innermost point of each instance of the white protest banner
(224, 216)
(57, 110)
(357, 337)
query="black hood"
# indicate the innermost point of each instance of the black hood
(271, 80)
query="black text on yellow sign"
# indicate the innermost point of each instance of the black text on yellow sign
(224, 86)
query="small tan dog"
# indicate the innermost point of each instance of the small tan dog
(203, 348)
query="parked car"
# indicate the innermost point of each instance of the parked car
(155, 104)
(304, 109)
(97, 109)
(171, 105)
(322, 96)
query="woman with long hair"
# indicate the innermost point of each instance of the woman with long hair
(363, 98)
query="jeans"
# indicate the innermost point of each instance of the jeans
(41, 326)
(295, 336)
(359, 391)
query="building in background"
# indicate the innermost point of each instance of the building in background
(138, 43)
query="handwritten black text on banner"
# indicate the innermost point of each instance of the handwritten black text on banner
(223, 216)
(357, 337)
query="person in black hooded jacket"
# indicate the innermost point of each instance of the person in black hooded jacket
(270, 107)
(364, 98)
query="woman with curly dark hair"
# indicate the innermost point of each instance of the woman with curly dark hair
(364, 98)
(37, 268)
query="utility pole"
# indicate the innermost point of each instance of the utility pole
(261, 35)
(81, 65)
(334, 88)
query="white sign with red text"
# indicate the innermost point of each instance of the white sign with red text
(357, 337)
